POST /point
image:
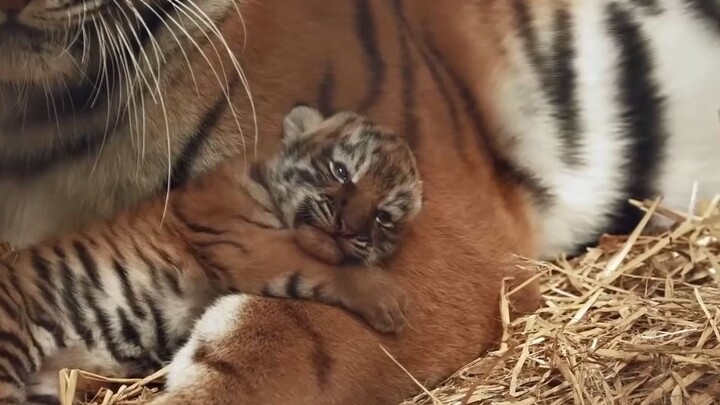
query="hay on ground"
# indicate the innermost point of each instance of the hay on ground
(634, 321)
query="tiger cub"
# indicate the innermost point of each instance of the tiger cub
(312, 222)
(347, 193)
(347, 188)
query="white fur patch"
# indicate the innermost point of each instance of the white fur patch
(221, 318)
(685, 65)
(581, 196)
(216, 324)
(183, 372)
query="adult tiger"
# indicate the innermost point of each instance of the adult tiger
(533, 123)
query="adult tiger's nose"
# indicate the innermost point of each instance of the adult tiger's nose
(12, 6)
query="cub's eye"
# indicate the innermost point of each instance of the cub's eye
(384, 219)
(339, 171)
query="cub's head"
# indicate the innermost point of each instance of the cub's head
(346, 177)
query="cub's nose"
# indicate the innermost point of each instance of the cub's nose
(12, 6)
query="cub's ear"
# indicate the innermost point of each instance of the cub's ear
(299, 120)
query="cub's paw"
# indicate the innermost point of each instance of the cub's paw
(385, 309)
(317, 244)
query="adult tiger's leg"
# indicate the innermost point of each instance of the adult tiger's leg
(253, 351)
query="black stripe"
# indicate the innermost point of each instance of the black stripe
(708, 10)
(113, 232)
(257, 174)
(11, 400)
(651, 7)
(21, 366)
(60, 252)
(192, 226)
(556, 74)
(90, 239)
(43, 400)
(366, 32)
(527, 34)
(317, 293)
(149, 265)
(407, 71)
(129, 331)
(105, 324)
(10, 339)
(172, 282)
(326, 92)
(230, 243)
(182, 168)
(165, 351)
(304, 175)
(14, 283)
(642, 115)
(322, 358)
(166, 257)
(88, 263)
(153, 17)
(7, 306)
(9, 377)
(562, 87)
(266, 292)
(5, 289)
(447, 97)
(44, 277)
(26, 165)
(36, 345)
(52, 327)
(19, 360)
(445, 93)
(211, 268)
(292, 288)
(128, 291)
(113, 245)
(73, 101)
(502, 166)
(74, 310)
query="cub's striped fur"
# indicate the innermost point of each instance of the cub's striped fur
(532, 121)
(126, 291)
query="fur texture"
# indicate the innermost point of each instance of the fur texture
(348, 186)
(109, 294)
(532, 122)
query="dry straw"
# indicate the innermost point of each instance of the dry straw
(633, 321)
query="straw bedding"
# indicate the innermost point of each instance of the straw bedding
(633, 321)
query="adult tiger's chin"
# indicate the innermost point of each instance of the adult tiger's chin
(57, 43)
(46, 42)
(34, 56)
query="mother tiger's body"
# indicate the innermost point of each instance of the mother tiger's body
(533, 122)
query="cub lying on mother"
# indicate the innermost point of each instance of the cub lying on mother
(343, 189)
